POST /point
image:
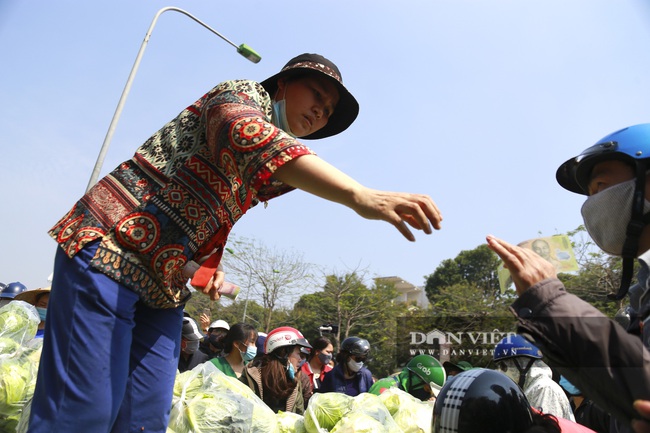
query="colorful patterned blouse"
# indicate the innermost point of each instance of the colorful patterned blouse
(182, 192)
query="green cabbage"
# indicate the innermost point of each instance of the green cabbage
(289, 422)
(325, 410)
(359, 423)
(207, 401)
(8, 346)
(410, 414)
(371, 405)
(17, 381)
(19, 321)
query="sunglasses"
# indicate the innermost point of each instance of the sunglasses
(359, 358)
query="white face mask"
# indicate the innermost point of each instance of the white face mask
(606, 215)
(354, 366)
(511, 370)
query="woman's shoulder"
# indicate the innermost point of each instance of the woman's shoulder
(240, 88)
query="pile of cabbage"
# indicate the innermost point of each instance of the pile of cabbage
(20, 353)
(207, 401)
(394, 411)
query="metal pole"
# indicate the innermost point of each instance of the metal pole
(243, 49)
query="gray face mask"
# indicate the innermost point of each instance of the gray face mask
(607, 214)
(191, 346)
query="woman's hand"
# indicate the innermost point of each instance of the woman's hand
(399, 209)
(214, 285)
(315, 176)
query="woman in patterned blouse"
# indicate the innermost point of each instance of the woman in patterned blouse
(129, 245)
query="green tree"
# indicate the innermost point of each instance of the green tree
(477, 267)
(354, 310)
(267, 275)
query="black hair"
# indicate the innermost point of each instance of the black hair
(318, 344)
(239, 332)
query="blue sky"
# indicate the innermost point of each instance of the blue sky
(473, 102)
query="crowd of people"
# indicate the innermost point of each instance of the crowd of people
(289, 369)
(129, 246)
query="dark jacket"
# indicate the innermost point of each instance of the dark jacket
(335, 381)
(194, 359)
(593, 352)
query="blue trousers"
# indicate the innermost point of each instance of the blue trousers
(108, 362)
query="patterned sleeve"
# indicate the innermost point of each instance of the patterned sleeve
(241, 137)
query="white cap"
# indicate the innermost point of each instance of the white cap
(219, 324)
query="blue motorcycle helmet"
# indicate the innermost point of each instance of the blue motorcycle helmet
(12, 289)
(522, 352)
(514, 346)
(630, 145)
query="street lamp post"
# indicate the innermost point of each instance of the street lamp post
(242, 49)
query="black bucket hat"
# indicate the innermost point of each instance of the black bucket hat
(347, 108)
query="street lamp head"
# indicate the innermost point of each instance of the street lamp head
(249, 53)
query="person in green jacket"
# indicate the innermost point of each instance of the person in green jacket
(239, 349)
(422, 377)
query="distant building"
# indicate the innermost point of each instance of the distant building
(409, 294)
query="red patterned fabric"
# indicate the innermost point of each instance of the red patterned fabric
(182, 192)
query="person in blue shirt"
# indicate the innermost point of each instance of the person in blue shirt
(350, 375)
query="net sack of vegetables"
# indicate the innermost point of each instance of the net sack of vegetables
(411, 414)
(325, 410)
(207, 401)
(18, 324)
(371, 405)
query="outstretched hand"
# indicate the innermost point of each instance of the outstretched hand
(312, 174)
(526, 267)
(399, 209)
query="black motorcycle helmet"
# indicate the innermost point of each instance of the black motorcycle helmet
(481, 401)
(356, 346)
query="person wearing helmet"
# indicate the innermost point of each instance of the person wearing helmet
(612, 174)
(586, 412)
(212, 343)
(9, 292)
(350, 375)
(486, 401)
(453, 368)
(276, 378)
(422, 377)
(164, 216)
(522, 362)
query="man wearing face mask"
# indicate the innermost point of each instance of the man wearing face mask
(350, 375)
(39, 298)
(422, 377)
(212, 343)
(191, 356)
(522, 362)
(609, 365)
